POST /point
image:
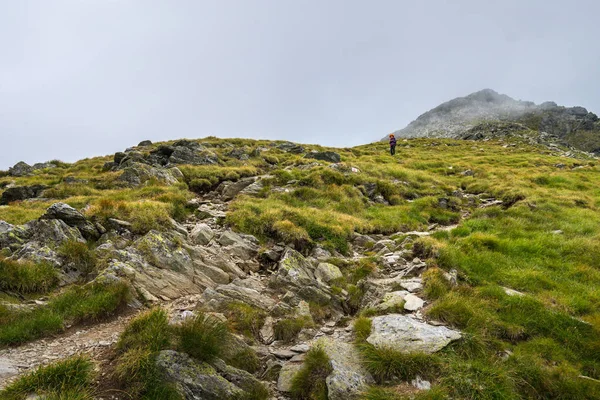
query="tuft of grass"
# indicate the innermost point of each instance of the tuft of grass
(245, 359)
(74, 376)
(435, 284)
(386, 364)
(202, 337)
(287, 329)
(362, 329)
(26, 277)
(79, 256)
(140, 342)
(309, 382)
(245, 319)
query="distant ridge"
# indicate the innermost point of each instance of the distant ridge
(575, 126)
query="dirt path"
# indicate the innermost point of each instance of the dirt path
(90, 340)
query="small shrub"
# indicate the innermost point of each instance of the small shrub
(290, 233)
(79, 256)
(271, 159)
(287, 329)
(388, 364)
(245, 359)
(309, 382)
(354, 300)
(71, 375)
(202, 337)
(425, 247)
(26, 277)
(362, 329)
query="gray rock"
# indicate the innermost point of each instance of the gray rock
(50, 232)
(286, 375)
(328, 272)
(202, 234)
(242, 379)
(163, 252)
(137, 174)
(145, 143)
(191, 156)
(20, 169)
(73, 218)
(328, 156)
(43, 165)
(267, 333)
(413, 303)
(17, 193)
(420, 383)
(195, 381)
(290, 147)
(229, 190)
(349, 378)
(407, 334)
(217, 275)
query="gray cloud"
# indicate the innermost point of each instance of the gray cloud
(84, 78)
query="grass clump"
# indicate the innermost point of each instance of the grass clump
(73, 376)
(75, 305)
(202, 337)
(287, 329)
(25, 277)
(435, 284)
(309, 382)
(79, 256)
(386, 364)
(362, 329)
(138, 346)
(245, 319)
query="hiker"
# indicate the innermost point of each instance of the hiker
(392, 144)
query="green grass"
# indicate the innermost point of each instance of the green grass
(309, 382)
(75, 305)
(73, 376)
(78, 256)
(26, 277)
(362, 329)
(245, 319)
(202, 337)
(386, 364)
(287, 329)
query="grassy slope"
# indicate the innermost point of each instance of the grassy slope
(514, 247)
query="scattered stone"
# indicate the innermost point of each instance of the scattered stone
(512, 292)
(145, 143)
(286, 375)
(407, 334)
(283, 353)
(413, 303)
(267, 332)
(300, 348)
(420, 383)
(328, 272)
(202, 234)
(290, 147)
(73, 218)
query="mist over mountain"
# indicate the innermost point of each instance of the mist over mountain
(573, 126)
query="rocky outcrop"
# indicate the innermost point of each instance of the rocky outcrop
(136, 174)
(17, 193)
(73, 218)
(290, 147)
(407, 334)
(349, 377)
(195, 380)
(20, 169)
(328, 156)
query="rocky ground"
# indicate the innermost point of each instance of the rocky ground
(203, 265)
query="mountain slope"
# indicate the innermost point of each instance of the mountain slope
(574, 126)
(273, 269)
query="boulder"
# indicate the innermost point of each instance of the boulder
(43, 165)
(73, 218)
(137, 173)
(191, 153)
(290, 147)
(20, 169)
(328, 272)
(286, 375)
(413, 303)
(17, 193)
(202, 234)
(294, 269)
(229, 190)
(349, 378)
(163, 252)
(406, 334)
(195, 380)
(267, 332)
(328, 156)
(49, 232)
(145, 143)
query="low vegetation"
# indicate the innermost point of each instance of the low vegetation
(24, 277)
(287, 329)
(71, 379)
(309, 382)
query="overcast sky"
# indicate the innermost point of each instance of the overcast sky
(90, 77)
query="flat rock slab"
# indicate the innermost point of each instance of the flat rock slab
(409, 335)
